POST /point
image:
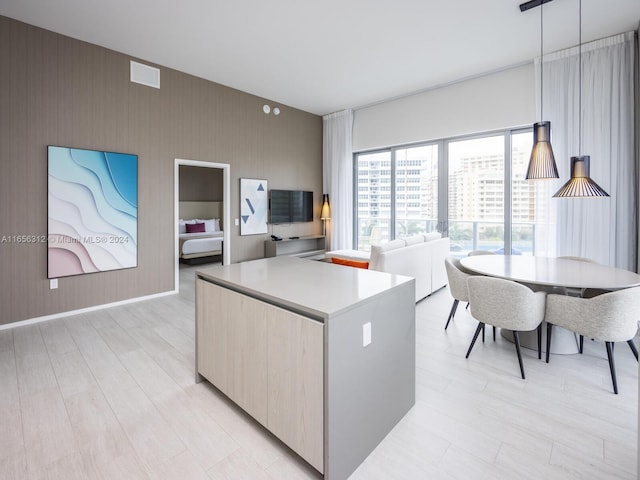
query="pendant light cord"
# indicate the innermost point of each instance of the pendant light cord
(580, 78)
(541, 63)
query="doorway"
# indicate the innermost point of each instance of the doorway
(226, 209)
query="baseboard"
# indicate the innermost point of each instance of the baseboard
(31, 321)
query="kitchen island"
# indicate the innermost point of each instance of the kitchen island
(322, 355)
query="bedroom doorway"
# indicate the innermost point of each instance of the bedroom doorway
(225, 208)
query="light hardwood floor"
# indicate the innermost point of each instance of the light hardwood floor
(111, 395)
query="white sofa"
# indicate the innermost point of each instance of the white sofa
(419, 256)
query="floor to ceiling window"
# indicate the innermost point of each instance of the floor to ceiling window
(471, 189)
(476, 194)
(373, 194)
(416, 190)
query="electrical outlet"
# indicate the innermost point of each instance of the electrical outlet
(366, 334)
(53, 283)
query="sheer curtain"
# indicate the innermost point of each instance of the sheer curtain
(337, 177)
(603, 229)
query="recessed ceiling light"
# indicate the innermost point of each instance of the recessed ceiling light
(276, 111)
(266, 109)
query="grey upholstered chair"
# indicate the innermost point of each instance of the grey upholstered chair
(610, 317)
(506, 304)
(457, 284)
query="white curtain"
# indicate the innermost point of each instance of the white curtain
(603, 229)
(337, 177)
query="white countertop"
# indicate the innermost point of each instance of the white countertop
(552, 271)
(319, 289)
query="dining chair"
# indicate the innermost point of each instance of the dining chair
(506, 304)
(473, 253)
(610, 317)
(457, 278)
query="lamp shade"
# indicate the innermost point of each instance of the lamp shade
(580, 184)
(325, 213)
(542, 164)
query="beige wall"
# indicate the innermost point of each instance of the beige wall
(60, 91)
(500, 100)
(199, 184)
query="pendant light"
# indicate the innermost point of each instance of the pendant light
(542, 163)
(580, 184)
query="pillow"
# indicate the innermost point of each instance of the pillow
(432, 236)
(194, 227)
(349, 263)
(386, 246)
(209, 225)
(217, 222)
(413, 239)
(182, 226)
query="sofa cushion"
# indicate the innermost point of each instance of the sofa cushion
(376, 250)
(432, 236)
(413, 239)
(350, 263)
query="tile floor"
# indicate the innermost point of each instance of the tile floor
(111, 395)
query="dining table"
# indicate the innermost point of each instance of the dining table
(553, 275)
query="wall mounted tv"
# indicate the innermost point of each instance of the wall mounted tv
(291, 206)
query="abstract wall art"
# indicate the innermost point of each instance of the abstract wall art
(253, 206)
(92, 211)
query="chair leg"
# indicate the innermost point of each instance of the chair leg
(454, 307)
(483, 333)
(494, 333)
(633, 348)
(516, 340)
(539, 341)
(549, 327)
(581, 343)
(612, 366)
(475, 337)
(467, 307)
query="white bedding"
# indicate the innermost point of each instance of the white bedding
(201, 245)
(187, 236)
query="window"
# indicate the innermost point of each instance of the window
(476, 180)
(373, 216)
(471, 189)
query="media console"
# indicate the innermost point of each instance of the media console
(310, 246)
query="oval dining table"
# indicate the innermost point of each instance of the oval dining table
(548, 273)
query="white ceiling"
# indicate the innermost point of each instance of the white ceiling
(325, 56)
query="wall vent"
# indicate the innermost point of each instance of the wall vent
(145, 75)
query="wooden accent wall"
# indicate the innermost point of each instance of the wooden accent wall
(55, 90)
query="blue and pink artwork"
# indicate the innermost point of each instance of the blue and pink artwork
(93, 211)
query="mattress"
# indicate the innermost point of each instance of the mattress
(201, 245)
(187, 236)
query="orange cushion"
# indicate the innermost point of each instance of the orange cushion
(350, 263)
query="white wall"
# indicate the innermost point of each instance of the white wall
(499, 100)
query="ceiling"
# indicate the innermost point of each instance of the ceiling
(326, 56)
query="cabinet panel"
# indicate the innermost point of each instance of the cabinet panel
(295, 383)
(232, 351)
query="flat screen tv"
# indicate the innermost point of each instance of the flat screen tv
(291, 206)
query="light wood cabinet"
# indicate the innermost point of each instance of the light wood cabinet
(234, 328)
(267, 360)
(295, 390)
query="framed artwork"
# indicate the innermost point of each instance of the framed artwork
(253, 206)
(92, 211)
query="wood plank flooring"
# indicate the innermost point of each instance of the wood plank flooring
(111, 395)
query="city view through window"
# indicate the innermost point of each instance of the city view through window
(399, 191)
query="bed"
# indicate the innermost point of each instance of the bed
(199, 234)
